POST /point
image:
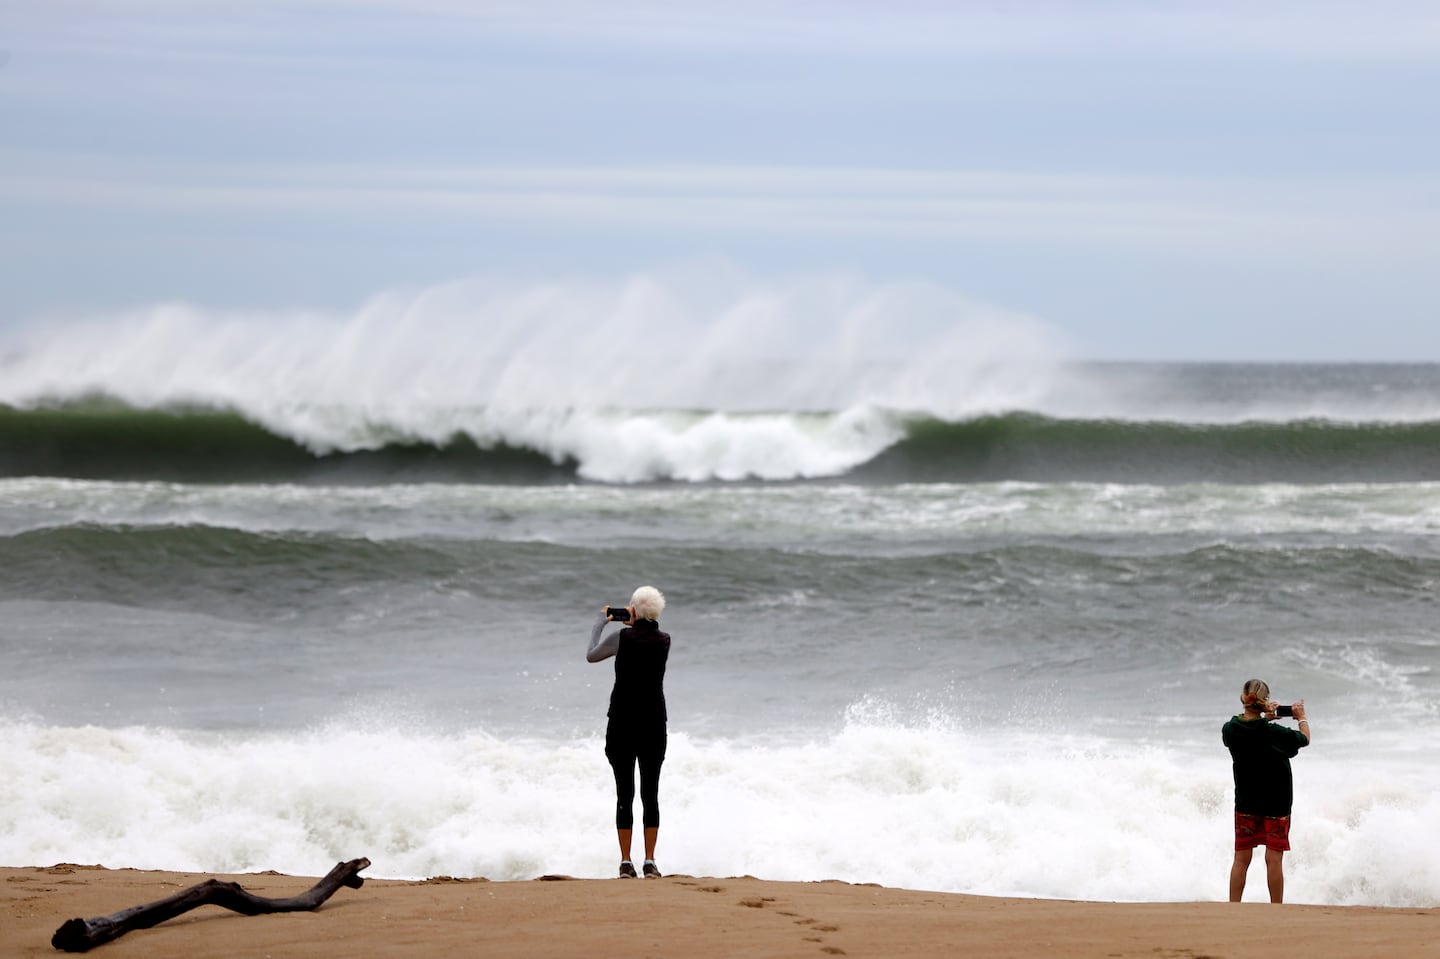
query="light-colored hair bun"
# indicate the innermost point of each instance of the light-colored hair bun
(648, 601)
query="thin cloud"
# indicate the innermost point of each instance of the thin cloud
(1314, 29)
(1175, 214)
(1311, 29)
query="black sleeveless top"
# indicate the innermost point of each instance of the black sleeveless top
(639, 693)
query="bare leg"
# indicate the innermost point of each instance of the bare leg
(1238, 868)
(624, 835)
(651, 834)
(1275, 873)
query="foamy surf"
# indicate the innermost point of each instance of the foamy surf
(975, 810)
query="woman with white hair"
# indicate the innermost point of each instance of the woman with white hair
(635, 733)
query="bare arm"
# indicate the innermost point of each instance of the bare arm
(1304, 723)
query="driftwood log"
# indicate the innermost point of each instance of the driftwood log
(81, 935)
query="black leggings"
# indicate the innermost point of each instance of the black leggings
(625, 746)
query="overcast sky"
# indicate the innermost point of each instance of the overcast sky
(1176, 180)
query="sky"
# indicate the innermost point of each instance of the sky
(1150, 180)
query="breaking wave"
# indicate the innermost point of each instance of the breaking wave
(108, 440)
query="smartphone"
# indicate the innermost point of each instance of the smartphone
(622, 615)
(1284, 710)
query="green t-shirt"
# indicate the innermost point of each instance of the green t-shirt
(1261, 752)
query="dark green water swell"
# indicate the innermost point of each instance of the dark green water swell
(1023, 446)
(213, 446)
(100, 441)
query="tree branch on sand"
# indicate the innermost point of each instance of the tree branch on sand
(81, 935)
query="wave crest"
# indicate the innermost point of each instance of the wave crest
(696, 337)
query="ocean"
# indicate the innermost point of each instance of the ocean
(971, 631)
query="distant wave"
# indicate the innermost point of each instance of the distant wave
(99, 440)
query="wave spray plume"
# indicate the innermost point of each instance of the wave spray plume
(698, 373)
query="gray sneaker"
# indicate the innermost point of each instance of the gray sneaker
(650, 871)
(627, 870)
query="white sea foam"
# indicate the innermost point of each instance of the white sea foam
(935, 808)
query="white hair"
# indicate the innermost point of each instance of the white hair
(648, 602)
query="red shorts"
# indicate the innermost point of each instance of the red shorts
(1272, 832)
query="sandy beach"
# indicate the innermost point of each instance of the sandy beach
(685, 916)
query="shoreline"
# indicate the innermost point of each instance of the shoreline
(684, 916)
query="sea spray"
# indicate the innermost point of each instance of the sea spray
(691, 374)
(645, 342)
(664, 376)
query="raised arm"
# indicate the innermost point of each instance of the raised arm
(602, 648)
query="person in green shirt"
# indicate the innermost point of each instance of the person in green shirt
(1261, 751)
